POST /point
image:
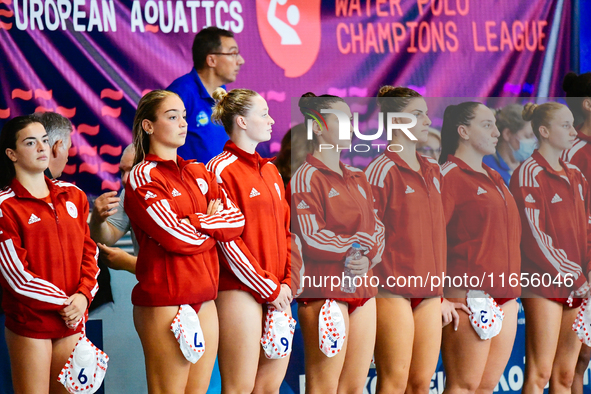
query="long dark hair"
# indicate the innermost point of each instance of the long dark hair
(577, 88)
(8, 137)
(454, 117)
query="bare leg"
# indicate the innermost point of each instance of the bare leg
(582, 364)
(167, 369)
(427, 342)
(61, 350)
(394, 343)
(322, 372)
(543, 319)
(565, 361)
(241, 328)
(361, 342)
(270, 373)
(30, 361)
(500, 350)
(200, 372)
(464, 355)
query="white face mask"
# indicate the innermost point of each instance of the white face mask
(85, 369)
(526, 148)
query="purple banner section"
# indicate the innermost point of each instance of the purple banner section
(91, 60)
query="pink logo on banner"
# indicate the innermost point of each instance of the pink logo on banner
(44, 94)
(70, 169)
(22, 94)
(112, 94)
(110, 185)
(109, 111)
(67, 112)
(110, 150)
(87, 129)
(110, 168)
(290, 31)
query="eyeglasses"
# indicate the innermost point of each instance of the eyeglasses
(233, 54)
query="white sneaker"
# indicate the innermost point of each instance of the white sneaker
(187, 331)
(85, 369)
(277, 339)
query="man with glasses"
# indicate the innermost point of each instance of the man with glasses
(216, 62)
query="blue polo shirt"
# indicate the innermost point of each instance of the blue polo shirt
(205, 139)
(497, 163)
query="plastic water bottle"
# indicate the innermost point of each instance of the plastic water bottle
(354, 253)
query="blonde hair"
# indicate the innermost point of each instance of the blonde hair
(236, 102)
(146, 109)
(540, 115)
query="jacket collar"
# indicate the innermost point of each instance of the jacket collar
(583, 137)
(537, 156)
(495, 176)
(253, 160)
(20, 191)
(395, 157)
(324, 168)
(180, 164)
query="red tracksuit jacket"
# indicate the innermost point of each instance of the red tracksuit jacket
(555, 214)
(331, 212)
(483, 227)
(177, 262)
(260, 260)
(46, 255)
(411, 209)
(580, 154)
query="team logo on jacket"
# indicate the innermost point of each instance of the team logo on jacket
(149, 195)
(332, 193)
(278, 190)
(480, 191)
(530, 199)
(72, 210)
(580, 191)
(175, 193)
(33, 219)
(303, 205)
(202, 119)
(436, 183)
(362, 191)
(254, 192)
(203, 186)
(556, 199)
(409, 190)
